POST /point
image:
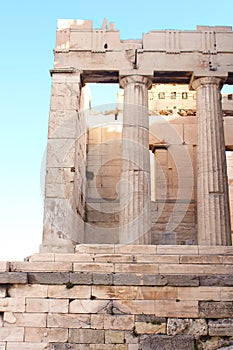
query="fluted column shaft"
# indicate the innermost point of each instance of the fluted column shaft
(135, 198)
(212, 185)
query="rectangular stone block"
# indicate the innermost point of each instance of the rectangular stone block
(48, 277)
(226, 293)
(133, 307)
(81, 278)
(108, 347)
(167, 259)
(114, 337)
(135, 249)
(47, 305)
(115, 292)
(86, 336)
(183, 280)
(195, 269)
(124, 258)
(30, 291)
(2, 292)
(181, 342)
(68, 346)
(49, 335)
(6, 334)
(68, 321)
(155, 280)
(126, 279)
(74, 257)
(177, 250)
(137, 268)
(42, 257)
(12, 304)
(12, 319)
(27, 346)
(75, 292)
(13, 277)
(2, 346)
(119, 322)
(150, 328)
(89, 306)
(215, 309)
(199, 293)
(94, 267)
(216, 280)
(214, 250)
(176, 308)
(158, 293)
(40, 266)
(220, 328)
(201, 259)
(102, 278)
(95, 248)
(4, 266)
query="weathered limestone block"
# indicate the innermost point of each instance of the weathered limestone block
(101, 278)
(89, 306)
(81, 278)
(155, 280)
(34, 266)
(183, 280)
(47, 305)
(93, 267)
(27, 346)
(162, 342)
(68, 321)
(108, 347)
(48, 277)
(2, 292)
(216, 280)
(4, 266)
(76, 292)
(13, 277)
(222, 327)
(114, 337)
(133, 307)
(193, 327)
(119, 322)
(40, 335)
(86, 336)
(215, 309)
(6, 334)
(177, 308)
(29, 291)
(68, 346)
(12, 304)
(150, 328)
(125, 279)
(24, 320)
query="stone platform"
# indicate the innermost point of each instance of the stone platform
(119, 297)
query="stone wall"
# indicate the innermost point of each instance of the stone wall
(119, 297)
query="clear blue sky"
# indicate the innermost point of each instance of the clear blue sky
(28, 29)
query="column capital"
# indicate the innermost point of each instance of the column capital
(135, 79)
(197, 82)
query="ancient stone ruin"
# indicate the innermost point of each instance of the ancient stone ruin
(137, 243)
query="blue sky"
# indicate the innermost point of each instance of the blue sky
(28, 30)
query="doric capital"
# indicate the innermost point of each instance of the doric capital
(135, 79)
(207, 81)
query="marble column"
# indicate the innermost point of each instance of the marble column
(212, 186)
(135, 193)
